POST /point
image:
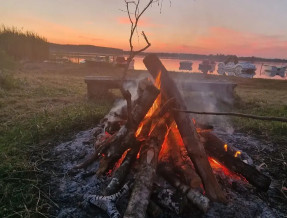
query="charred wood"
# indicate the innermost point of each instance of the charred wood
(120, 174)
(195, 197)
(148, 163)
(187, 129)
(108, 203)
(217, 149)
(114, 147)
(169, 199)
(154, 210)
(182, 166)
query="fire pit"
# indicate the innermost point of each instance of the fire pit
(158, 162)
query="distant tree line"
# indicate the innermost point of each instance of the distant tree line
(23, 45)
(82, 49)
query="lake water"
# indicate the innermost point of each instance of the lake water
(173, 65)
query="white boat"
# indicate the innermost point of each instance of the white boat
(273, 71)
(185, 65)
(243, 69)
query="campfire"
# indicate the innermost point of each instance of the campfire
(149, 137)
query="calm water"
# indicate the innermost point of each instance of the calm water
(173, 65)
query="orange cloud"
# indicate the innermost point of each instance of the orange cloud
(58, 33)
(230, 41)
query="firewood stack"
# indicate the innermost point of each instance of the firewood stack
(149, 138)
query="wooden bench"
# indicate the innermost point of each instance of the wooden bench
(100, 85)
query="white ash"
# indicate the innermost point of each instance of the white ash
(69, 189)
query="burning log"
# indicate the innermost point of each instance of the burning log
(148, 163)
(187, 129)
(124, 138)
(167, 171)
(121, 173)
(219, 150)
(183, 166)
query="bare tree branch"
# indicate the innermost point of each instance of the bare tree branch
(134, 20)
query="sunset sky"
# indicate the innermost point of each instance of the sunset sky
(241, 27)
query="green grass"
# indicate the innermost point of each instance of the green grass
(38, 108)
(265, 98)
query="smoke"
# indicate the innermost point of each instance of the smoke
(206, 95)
(118, 113)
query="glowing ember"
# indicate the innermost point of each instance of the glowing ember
(167, 142)
(139, 129)
(193, 120)
(118, 164)
(237, 153)
(217, 166)
(225, 147)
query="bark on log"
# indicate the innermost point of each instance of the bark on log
(216, 149)
(181, 166)
(187, 129)
(199, 200)
(108, 203)
(148, 163)
(120, 174)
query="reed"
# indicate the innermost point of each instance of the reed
(23, 45)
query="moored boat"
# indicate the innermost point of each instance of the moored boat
(275, 71)
(206, 66)
(185, 65)
(232, 67)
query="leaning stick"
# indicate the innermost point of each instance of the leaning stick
(281, 119)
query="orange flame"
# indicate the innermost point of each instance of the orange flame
(225, 147)
(158, 80)
(119, 162)
(218, 166)
(237, 153)
(139, 129)
(156, 104)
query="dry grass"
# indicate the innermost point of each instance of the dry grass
(47, 105)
